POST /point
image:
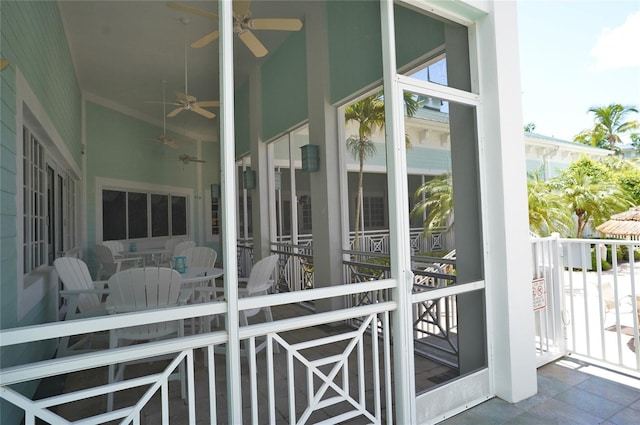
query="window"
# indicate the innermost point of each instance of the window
(373, 208)
(159, 215)
(33, 190)
(178, 215)
(137, 214)
(305, 211)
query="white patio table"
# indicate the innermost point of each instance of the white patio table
(150, 256)
(198, 276)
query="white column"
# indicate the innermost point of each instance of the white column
(325, 196)
(258, 150)
(507, 248)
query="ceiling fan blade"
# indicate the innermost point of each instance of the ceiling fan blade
(187, 159)
(175, 112)
(241, 7)
(276, 24)
(189, 9)
(250, 40)
(208, 103)
(206, 39)
(203, 112)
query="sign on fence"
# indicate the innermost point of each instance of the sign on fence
(539, 294)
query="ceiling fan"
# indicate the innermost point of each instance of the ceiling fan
(164, 139)
(186, 159)
(186, 102)
(243, 23)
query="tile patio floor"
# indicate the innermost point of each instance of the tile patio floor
(570, 392)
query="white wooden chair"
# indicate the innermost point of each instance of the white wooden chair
(116, 248)
(609, 298)
(84, 298)
(141, 289)
(170, 246)
(109, 264)
(181, 247)
(200, 256)
(259, 282)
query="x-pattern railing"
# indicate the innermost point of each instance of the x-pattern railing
(326, 374)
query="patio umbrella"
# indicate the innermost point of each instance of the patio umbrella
(623, 224)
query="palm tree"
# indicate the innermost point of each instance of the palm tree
(369, 114)
(589, 190)
(547, 212)
(609, 125)
(435, 197)
(530, 128)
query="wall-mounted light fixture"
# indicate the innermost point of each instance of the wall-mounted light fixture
(215, 191)
(248, 179)
(310, 157)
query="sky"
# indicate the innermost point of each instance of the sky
(575, 54)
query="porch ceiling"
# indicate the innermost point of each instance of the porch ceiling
(123, 50)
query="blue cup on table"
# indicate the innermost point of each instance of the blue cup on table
(180, 264)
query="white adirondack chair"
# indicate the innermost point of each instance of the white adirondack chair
(84, 298)
(170, 246)
(141, 289)
(183, 246)
(116, 248)
(260, 281)
(110, 265)
(200, 256)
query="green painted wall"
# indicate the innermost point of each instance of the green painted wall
(33, 40)
(122, 147)
(284, 86)
(355, 46)
(242, 121)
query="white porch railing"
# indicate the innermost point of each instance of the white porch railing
(590, 311)
(309, 380)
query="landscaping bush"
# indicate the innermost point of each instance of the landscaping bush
(623, 253)
(605, 264)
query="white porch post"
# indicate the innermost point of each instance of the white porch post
(228, 191)
(507, 253)
(403, 363)
(325, 215)
(258, 149)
